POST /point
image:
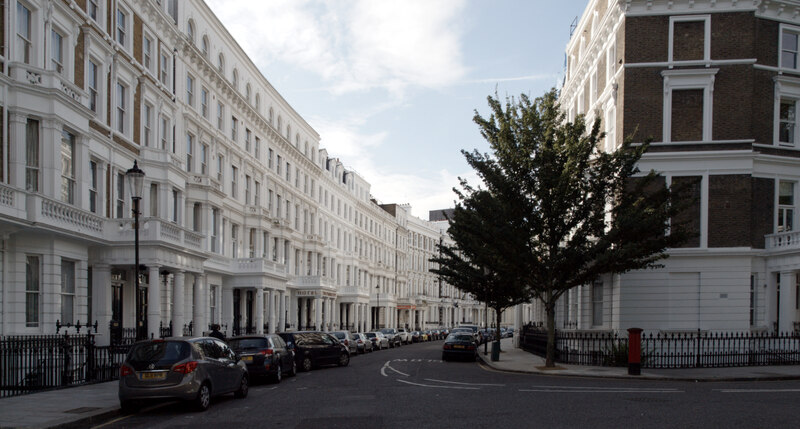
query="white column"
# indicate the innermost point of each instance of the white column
(177, 303)
(199, 320)
(318, 313)
(281, 311)
(787, 301)
(227, 308)
(153, 301)
(259, 310)
(188, 291)
(301, 324)
(101, 299)
(271, 305)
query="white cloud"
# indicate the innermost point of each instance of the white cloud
(356, 45)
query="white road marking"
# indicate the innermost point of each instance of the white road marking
(464, 384)
(386, 365)
(604, 388)
(600, 391)
(439, 387)
(756, 390)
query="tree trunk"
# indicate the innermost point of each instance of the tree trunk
(497, 328)
(551, 335)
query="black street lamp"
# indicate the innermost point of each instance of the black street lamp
(136, 182)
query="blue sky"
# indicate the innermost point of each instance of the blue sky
(392, 86)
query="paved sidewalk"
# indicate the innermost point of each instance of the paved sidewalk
(518, 360)
(75, 407)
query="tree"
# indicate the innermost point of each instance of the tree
(475, 264)
(562, 212)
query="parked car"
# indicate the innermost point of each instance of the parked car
(363, 344)
(346, 338)
(416, 336)
(391, 336)
(313, 349)
(405, 336)
(191, 369)
(265, 355)
(462, 345)
(379, 341)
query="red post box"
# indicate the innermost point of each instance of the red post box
(634, 351)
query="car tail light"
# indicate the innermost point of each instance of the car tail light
(266, 352)
(470, 347)
(448, 347)
(347, 342)
(125, 370)
(186, 368)
(359, 341)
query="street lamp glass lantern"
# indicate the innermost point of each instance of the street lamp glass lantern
(135, 180)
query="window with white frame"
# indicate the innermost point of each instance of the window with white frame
(611, 65)
(234, 240)
(120, 195)
(787, 122)
(204, 159)
(247, 137)
(32, 155)
(32, 290)
(688, 97)
(220, 116)
(220, 168)
(257, 195)
(122, 96)
(251, 243)
(689, 38)
(164, 132)
(164, 72)
(204, 102)
(175, 206)
(247, 182)
(190, 31)
(212, 304)
(56, 51)
(67, 291)
(234, 183)
(597, 303)
(785, 206)
(189, 90)
(24, 45)
(67, 167)
(147, 124)
(189, 152)
(154, 200)
(92, 9)
(93, 186)
(204, 46)
(234, 128)
(92, 81)
(610, 126)
(122, 27)
(257, 149)
(214, 229)
(147, 53)
(221, 63)
(789, 47)
(787, 101)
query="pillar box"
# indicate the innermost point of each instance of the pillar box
(634, 351)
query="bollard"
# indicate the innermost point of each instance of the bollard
(634, 351)
(495, 351)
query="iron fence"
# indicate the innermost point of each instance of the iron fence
(34, 363)
(696, 349)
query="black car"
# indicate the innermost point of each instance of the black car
(265, 355)
(461, 345)
(313, 349)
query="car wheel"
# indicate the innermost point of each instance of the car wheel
(278, 374)
(243, 388)
(293, 369)
(344, 359)
(307, 364)
(203, 399)
(129, 407)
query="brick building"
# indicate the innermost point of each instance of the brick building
(716, 85)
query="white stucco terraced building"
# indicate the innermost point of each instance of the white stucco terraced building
(246, 221)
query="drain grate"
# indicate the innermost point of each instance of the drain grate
(82, 410)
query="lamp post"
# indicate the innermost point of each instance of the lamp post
(378, 309)
(136, 181)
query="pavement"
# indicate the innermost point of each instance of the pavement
(517, 360)
(85, 406)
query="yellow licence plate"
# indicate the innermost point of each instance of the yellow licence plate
(247, 358)
(154, 375)
(458, 346)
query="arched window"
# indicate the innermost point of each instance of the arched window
(289, 133)
(280, 124)
(271, 117)
(258, 103)
(247, 92)
(204, 47)
(221, 63)
(190, 31)
(297, 141)
(235, 79)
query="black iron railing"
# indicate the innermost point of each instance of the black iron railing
(695, 349)
(33, 363)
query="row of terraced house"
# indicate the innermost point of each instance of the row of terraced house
(246, 221)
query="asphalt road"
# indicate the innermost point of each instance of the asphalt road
(410, 387)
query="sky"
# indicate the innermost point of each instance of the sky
(392, 86)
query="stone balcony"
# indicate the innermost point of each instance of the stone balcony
(46, 79)
(154, 230)
(783, 241)
(257, 266)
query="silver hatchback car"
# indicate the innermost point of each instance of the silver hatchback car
(191, 369)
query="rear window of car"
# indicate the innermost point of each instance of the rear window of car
(159, 353)
(248, 343)
(370, 335)
(339, 335)
(460, 337)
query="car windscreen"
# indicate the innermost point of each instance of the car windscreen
(387, 331)
(248, 343)
(159, 354)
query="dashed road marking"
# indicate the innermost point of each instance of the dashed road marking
(590, 389)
